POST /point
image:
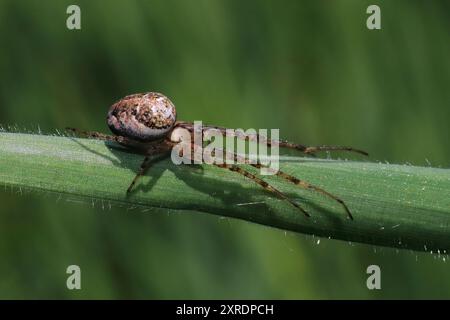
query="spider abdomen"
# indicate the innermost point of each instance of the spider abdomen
(143, 116)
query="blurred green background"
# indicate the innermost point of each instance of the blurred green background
(310, 68)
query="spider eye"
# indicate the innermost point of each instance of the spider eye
(143, 116)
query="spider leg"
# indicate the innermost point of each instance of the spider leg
(97, 135)
(146, 164)
(311, 150)
(306, 185)
(314, 149)
(263, 184)
(302, 183)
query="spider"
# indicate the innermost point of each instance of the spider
(146, 124)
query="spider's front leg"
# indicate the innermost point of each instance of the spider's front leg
(299, 182)
(263, 184)
(306, 185)
(261, 139)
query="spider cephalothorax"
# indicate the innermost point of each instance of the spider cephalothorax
(146, 122)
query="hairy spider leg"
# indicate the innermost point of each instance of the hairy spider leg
(311, 150)
(315, 149)
(148, 161)
(145, 165)
(294, 180)
(263, 184)
(98, 135)
(306, 185)
(150, 149)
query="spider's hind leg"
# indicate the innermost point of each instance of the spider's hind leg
(97, 135)
(146, 164)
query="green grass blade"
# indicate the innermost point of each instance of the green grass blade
(393, 205)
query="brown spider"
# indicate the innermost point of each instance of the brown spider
(146, 123)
